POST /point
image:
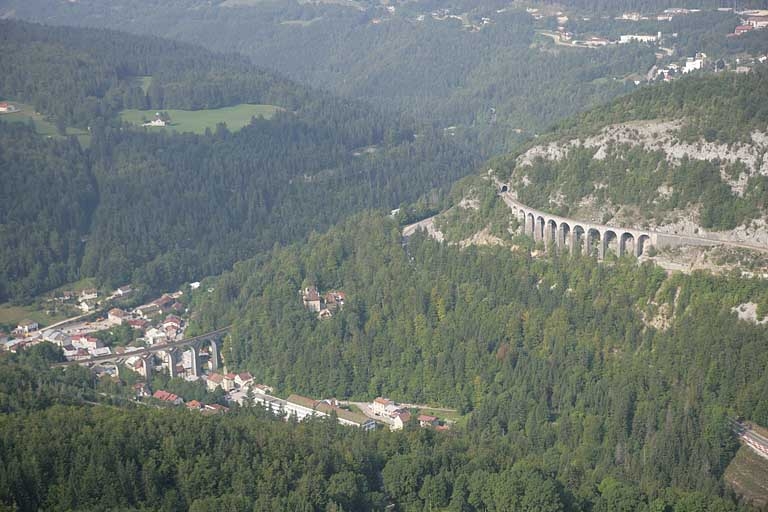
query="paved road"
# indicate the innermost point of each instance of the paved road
(757, 442)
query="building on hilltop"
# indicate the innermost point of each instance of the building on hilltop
(311, 299)
(426, 420)
(379, 405)
(165, 396)
(334, 300)
(400, 420)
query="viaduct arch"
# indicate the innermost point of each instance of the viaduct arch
(590, 239)
(167, 353)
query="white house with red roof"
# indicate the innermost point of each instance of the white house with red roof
(172, 322)
(214, 380)
(243, 379)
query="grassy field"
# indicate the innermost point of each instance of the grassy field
(301, 23)
(42, 127)
(747, 475)
(197, 121)
(453, 416)
(11, 315)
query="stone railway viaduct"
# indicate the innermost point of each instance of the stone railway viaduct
(168, 354)
(589, 238)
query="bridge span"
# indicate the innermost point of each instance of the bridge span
(589, 238)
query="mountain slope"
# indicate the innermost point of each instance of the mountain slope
(496, 84)
(559, 356)
(169, 207)
(686, 157)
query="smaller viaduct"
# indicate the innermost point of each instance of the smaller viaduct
(588, 238)
(168, 354)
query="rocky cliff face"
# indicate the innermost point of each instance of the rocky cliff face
(738, 163)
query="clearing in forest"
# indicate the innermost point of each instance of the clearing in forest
(197, 121)
(43, 127)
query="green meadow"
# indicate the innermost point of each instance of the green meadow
(197, 121)
(42, 126)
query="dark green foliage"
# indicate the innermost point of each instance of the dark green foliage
(46, 202)
(726, 107)
(493, 83)
(77, 76)
(554, 356)
(27, 384)
(162, 208)
(723, 109)
(577, 403)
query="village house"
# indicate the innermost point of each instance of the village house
(73, 353)
(123, 291)
(400, 419)
(194, 405)
(243, 379)
(427, 421)
(141, 390)
(27, 326)
(300, 406)
(116, 316)
(757, 21)
(595, 41)
(214, 381)
(343, 416)
(147, 310)
(324, 314)
(742, 29)
(172, 322)
(138, 323)
(101, 351)
(155, 336)
(215, 409)
(228, 383)
(379, 406)
(86, 342)
(138, 365)
(334, 300)
(57, 337)
(165, 396)
(263, 389)
(89, 294)
(311, 299)
(694, 63)
(639, 38)
(6, 107)
(157, 121)
(164, 301)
